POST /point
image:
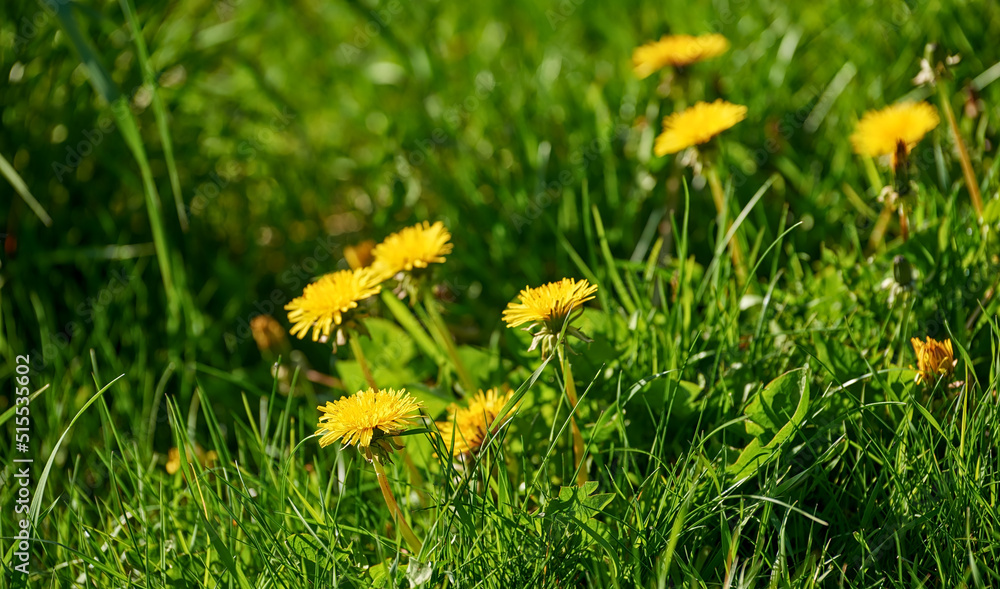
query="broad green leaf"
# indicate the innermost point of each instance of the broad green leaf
(773, 407)
(305, 546)
(756, 455)
(478, 362)
(385, 376)
(751, 458)
(991, 212)
(391, 356)
(842, 360)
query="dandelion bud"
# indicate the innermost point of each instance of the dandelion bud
(268, 333)
(902, 271)
(360, 255)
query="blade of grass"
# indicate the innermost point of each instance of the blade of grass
(609, 260)
(36, 500)
(21, 188)
(106, 88)
(159, 110)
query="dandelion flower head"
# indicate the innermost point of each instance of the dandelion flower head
(547, 307)
(367, 419)
(879, 132)
(325, 303)
(934, 359)
(412, 248)
(677, 51)
(697, 125)
(468, 428)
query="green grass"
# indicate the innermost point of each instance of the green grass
(753, 433)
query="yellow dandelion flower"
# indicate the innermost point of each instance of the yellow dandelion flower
(677, 51)
(413, 247)
(206, 459)
(879, 132)
(324, 303)
(468, 428)
(547, 307)
(934, 359)
(697, 125)
(360, 255)
(550, 303)
(368, 419)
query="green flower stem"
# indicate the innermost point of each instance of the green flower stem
(578, 446)
(431, 305)
(412, 326)
(963, 153)
(397, 515)
(718, 196)
(881, 224)
(904, 224)
(359, 355)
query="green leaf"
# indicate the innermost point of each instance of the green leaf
(755, 455)
(305, 546)
(383, 573)
(596, 503)
(581, 501)
(416, 331)
(386, 377)
(391, 356)
(581, 505)
(224, 554)
(773, 407)
(750, 460)
(478, 361)
(379, 574)
(991, 212)
(843, 361)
